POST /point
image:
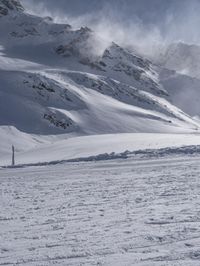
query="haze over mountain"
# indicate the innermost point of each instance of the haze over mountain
(151, 23)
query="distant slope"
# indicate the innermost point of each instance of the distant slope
(181, 57)
(55, 102)
(86, 146)
(184, 91)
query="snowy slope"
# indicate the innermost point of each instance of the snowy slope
(184, 91)
(61, 102)
(58, 150)
(113, 213)
(57, 82)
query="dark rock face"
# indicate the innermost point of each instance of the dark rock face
(3, 11)
(10, 5)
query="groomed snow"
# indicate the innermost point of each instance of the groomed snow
(77, 147)
(114, 213)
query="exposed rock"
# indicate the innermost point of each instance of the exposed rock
(10, 5)
(57, 123)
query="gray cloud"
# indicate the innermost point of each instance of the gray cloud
(148, 11)
(142, 23)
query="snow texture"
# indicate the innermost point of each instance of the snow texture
(121, 212)
(107, 148)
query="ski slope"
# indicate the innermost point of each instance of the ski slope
(56, 150)
(121, 212)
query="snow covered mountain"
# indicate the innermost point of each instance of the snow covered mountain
(56, 82)
(106, 149)
(179, 68)
(182, 57)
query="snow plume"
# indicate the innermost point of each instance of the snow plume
(132, 35)
(108, 27)
(179, 22)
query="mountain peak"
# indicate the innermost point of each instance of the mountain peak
(10, 5)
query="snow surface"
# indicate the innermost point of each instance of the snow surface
(107, 149)
(122, 212)
(86, 146)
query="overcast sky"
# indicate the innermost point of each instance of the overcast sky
(147, 10)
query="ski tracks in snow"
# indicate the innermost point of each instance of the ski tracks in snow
(117, 212)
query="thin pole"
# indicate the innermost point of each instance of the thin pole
(13, 155)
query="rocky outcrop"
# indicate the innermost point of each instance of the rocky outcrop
(10, 5)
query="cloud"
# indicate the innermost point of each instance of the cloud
(140, 24)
